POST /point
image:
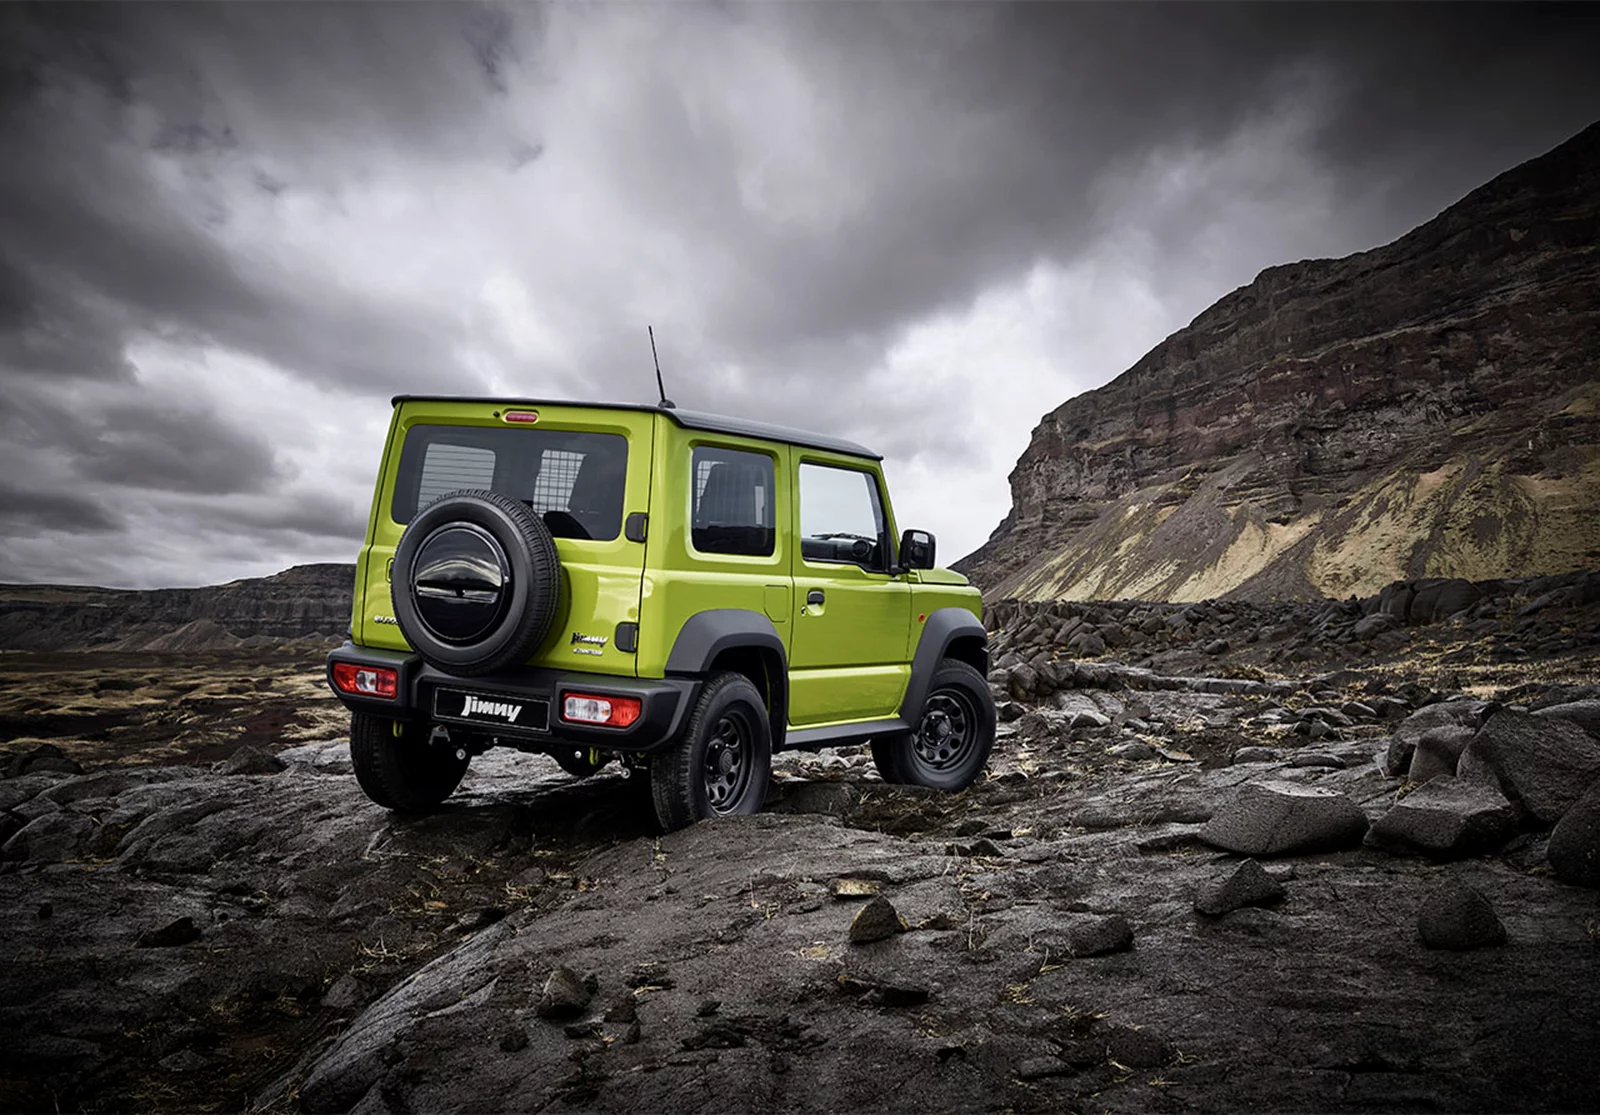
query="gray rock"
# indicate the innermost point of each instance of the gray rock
(1574, 851)
(876, 921)
(1098, 936)
(1457, 917)
(1033, 725)
(50, 838)
(1438, 752)
(1317, 759)
(1134, 752)
(1256, 755)
(1374, 624)
(1217, 646)
(348, 992)
(253, 760)
(1443, 714)
(1447, 818)
(1024, 681)
(1542, 763)
(1278, 818)
(181, 931)
(1088, 643)
(566, 995)
(1037, 1068)
(1246, 885)
(1585, 714)
(1090, 719)
(1397, 756)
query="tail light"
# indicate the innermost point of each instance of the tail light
(365, 681)
(613, 712)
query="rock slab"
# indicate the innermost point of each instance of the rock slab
(1272, 818)
(1446, 819)
(1543, 763)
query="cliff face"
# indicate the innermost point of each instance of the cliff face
(307, 602)
(1431, 407)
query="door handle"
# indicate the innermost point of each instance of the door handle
(815, 596)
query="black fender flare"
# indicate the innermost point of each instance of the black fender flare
(943, 627)
(708, 634)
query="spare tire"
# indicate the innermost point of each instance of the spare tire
(476, 582)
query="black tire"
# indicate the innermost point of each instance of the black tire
(575, 761)
(722, 764)
(950, 745)
(499, 616)
(405, 772)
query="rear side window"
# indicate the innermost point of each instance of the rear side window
(732, 510)
(573, 480)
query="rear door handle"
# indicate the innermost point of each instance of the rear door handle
(815, 596)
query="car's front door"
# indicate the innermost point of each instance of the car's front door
(849, 658)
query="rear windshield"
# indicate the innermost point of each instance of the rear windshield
(573, 480)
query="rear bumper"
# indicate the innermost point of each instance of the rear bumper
(664, 702)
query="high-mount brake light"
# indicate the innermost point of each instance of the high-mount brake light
(586, 708)
(527, 417)
(366, 681)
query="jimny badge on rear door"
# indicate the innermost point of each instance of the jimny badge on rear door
(587, 644)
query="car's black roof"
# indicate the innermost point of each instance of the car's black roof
(689, 419)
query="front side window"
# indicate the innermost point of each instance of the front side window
(841, 517)
(573, 480)
(732, 503)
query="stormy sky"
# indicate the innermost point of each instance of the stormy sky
(229, 233)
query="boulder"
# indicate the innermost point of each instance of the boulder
(1585, 714)
(566, 995)
(1542, 763)
(1439, 598)
(1574, 851)
(1445, 819)
(876, 921)
(1246, 885)
(1455, 916)
(1271, 818)
(1438, 751)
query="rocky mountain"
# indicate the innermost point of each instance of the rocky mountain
(1427, 408)
(305, 603)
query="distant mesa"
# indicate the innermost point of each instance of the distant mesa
(1427, 408)
(307, 605)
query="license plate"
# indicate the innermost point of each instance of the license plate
(492, 710)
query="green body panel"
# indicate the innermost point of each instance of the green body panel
(600, 579)
(679, 581)
(849, 658)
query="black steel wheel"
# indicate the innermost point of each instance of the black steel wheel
(954, 734)
(722, 764)
(401, 766)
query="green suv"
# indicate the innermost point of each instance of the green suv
(681, 593)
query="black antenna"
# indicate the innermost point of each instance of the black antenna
(666, 402)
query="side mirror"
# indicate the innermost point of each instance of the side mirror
(916, 550)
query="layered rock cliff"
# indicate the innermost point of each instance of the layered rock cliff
(306, 603)
(1427, 408)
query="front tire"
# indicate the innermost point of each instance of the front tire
(406, 772)
(950, 744)
(722, 764)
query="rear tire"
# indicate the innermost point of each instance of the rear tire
(404, 772)
(950, 745)
(722, 764)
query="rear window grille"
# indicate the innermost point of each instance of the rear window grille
(449, 467)
(558, 472)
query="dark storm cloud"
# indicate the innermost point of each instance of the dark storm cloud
(785, 190)
(23, 510)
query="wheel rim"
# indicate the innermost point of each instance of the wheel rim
(729, 759)
(947, 732)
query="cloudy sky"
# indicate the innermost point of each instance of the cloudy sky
(229, 232)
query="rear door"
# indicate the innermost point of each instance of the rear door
(583, 470)
(848, 658)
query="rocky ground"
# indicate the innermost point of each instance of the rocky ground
(1354, 881)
